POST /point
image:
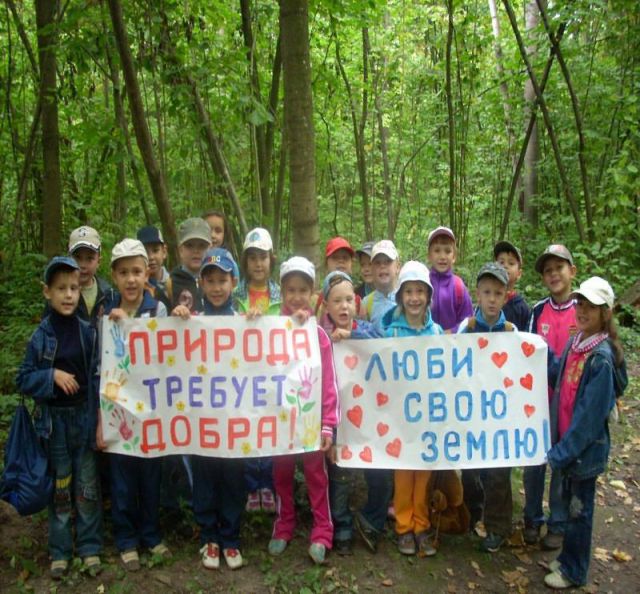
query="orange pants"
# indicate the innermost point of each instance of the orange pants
(410, 500)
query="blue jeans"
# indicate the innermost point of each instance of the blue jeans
(73, 464)
(533, 481)
(339, 492)
(579, 496)
(258, 474)
(218, 499)
(176, 482)
(379, 493)
(135, 501)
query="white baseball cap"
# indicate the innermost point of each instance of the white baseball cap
(259, 239)
(298, 264)
(596, 290)
(84, 236)
(128, 248)
(441, 232)
(413, 271)
(385, 247)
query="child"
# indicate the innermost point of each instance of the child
(183, 288)
(451, 302)
(515, 309)
(297, 277)
(84, 248)
(59, 372)
(366, 273)
(411, 317)
(218, 483)
(554, 318)
(135, 482)
(591, 376)
(151, 238)
(217, 221)
(338, 256)
(340, 322)
(385, 263)
(258, 294)
(489, 491)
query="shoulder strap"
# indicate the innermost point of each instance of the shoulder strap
(458, 287)
(508, 326)
(471, 323)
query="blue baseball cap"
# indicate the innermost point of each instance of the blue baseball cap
(219, 258)
(332, 279)
(56, 263)
(150, 234)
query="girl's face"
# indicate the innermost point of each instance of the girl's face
(366, 272)
(258, 266)
(590, 318)
(340, 260)
(415, 300)
(296, 291)
(217, 230)
(341, 305)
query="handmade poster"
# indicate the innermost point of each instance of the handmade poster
(436, 402)
(211, 385)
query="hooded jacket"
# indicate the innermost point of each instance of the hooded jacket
(395, 324)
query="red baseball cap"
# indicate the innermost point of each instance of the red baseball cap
(337, 243)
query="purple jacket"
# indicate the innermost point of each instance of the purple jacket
(451, 302)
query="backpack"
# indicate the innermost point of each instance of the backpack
(471, 325)
(26, 482)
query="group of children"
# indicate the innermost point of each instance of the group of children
(586, 372)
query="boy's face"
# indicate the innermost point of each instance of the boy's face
(157, 253)
(511, 264)
(88, 260)
(296, 291)
(217, 230)
(129, 276)
(191, 253)
(63, 291)
(385, 272)
(340, 260)
(258, 266)
(442, 254)
(491, 295)
(217, 285)
(366, 271)
(341, 305)
(557, 276)
(415, 299)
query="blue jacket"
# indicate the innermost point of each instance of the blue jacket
(584, 449)
(478, 324)
(35, 376)
(149, 308)
(517, 311)
(395, 323)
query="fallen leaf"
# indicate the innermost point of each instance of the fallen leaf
(609, 520)
(524, 558)
(472, 585)
(451, 588)
(450, 571)
(388, 582)
(478, 571)
(516, 539)
(621, 556)
(601, 554)
(618, 484)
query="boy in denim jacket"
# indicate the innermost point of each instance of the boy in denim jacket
(59, 373)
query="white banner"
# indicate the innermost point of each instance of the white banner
(213, 385)
(437, 402)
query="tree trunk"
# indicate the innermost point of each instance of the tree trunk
(298, 112)
(46, 12)
(451, 120)
(143, 135)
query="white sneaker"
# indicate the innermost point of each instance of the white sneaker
(210, 555)
(557, 581)
(233, 557)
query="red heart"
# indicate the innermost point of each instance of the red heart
(508, 382)
(527, 381)
(351, 361)
(499, 359)
(382, 429)
(381, 398)
(482, 342)
(346, 453)
(529, 409)
(365, 454)
(355, 416)
(528, 349)
(357, 391)
(393, 448)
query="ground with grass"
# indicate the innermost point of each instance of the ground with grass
(459, 566)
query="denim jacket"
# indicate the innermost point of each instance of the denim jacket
(35, 376)
(584, 449)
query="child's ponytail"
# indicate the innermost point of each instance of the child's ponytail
(611, 328)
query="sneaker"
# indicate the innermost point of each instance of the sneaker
(253, 502)
(210, 555)
(369, 535)
(552, 541)
(492, 543)
(407, 543)
(531, 534)
(277, 546)
(557, 581)
(160, 550)
(317, 552)
(233, 557)
(130, 560)
(58, 568)
(343, 547)
(425, 544)
(93, 565)
(267, 500)
(554, 565)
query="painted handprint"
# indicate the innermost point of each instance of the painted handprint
(115, 381)
(118, 341)
(311, 433)
(296, 397)
(119, 421)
